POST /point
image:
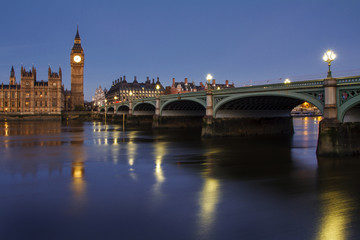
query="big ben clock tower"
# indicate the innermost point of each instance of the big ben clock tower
(77, 73)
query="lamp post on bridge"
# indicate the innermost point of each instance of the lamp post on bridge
(105, 109)
(157, 103)
(130, 102)
(209, 98)
(330, 107)
(209, 77)
(328, 57)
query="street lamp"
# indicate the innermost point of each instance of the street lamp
(209, 77)
(287, 81)
(105, 110)
(157, 88)
(328, 57)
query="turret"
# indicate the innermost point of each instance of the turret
(12, 79)
(60, 72)
(49, 71)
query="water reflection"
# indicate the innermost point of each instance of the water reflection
(208, 199)
(78, 183)
(337, 205)
(132, 147)
(336, 209)
(159, 153)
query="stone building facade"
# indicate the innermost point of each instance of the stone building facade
(121, 90)
(31, 96)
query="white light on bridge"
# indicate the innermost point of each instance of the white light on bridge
(287, 81)
(328, 57)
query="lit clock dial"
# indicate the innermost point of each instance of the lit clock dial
(77, 58)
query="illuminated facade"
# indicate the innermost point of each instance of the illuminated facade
(121, 90)
(99, 97)
(77, 74)
(184, 87)
(31, 96)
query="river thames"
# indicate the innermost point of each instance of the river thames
(94, 181)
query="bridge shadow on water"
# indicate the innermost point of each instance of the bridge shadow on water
(231, 157)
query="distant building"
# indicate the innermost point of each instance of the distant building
(184, 87)
(121, 90)
(99, 98)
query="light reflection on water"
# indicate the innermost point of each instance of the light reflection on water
(171, 184)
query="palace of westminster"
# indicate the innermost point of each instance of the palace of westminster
(40, 97)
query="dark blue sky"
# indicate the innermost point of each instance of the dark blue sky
(242, 41)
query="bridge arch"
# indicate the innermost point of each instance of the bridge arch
(110, 109)
(294, 98)
(144, 108)
(183, 107)
(122, 109)
(347, 106)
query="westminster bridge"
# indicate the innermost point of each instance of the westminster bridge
(258, 110)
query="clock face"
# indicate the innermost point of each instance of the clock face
(77, 58)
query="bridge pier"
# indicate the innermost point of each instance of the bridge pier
(157, 106)
(335, 138)
(338, 139)
(330, 108)
(130, 108)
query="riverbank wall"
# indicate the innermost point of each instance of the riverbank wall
(29, 117)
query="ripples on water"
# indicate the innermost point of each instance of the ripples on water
(95, 181)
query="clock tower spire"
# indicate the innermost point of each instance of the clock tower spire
(77, 73)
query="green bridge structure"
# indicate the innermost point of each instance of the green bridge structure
(257, 110)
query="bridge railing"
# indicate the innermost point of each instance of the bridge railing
(348, 80)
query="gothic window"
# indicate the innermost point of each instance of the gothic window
(54, 102)
(13, 95)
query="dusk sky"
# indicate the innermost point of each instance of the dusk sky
(246, 42)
